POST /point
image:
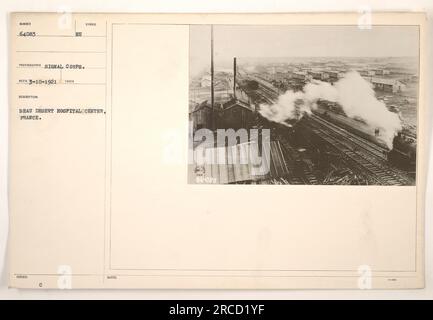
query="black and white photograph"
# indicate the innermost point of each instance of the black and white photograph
(304, 104)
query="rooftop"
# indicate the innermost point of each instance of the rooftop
(236, 102)
(385, 81)
(231, 164)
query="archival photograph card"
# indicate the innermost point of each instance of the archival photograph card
(217, 151)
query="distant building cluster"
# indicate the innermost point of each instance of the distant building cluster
(387, 85)
(295, 76)
(233, 108)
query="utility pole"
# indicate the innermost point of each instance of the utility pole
(234, 77)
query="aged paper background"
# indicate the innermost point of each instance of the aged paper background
(105, 201)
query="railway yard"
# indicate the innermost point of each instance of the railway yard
(318, 151)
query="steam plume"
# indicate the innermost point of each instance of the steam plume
(354, 94)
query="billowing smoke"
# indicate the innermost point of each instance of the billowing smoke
(354, 94)
(286, 107)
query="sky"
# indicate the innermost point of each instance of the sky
(300, 41)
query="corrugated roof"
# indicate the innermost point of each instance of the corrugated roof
(233, 164)
(385, 81)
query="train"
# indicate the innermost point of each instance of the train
(403, 153)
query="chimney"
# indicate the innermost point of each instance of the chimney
(212, 79)
(234, 77)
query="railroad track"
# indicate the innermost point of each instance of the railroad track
(364, 161)
(267, 95)
(373, 152)
(297, 176)
(266, 91)
(378, 151)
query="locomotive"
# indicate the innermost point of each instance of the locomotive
(403, 152)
